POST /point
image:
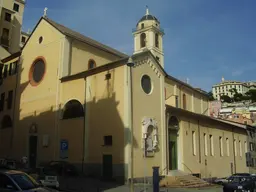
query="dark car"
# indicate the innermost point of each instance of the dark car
(61, 168)
(14, 181)
(239, 184)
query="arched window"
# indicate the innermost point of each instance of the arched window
(91, 64)
(6, 122)
(173, 123)
(143, 40)
(73, 109)
(156, 40)
(184, 101)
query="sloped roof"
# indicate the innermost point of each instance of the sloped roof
(78, 36)
(196, 115)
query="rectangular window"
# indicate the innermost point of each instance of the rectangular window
(13, 68)
(235, 148)
(1, 71)
(5, 71)
(205, 145)
(10, 99)
(251, 146)
(8, 17)
(221, 146)
(194, 142)
(2, 102)
(211, 145)
(240, 148)
(108, 140)
(10, 68)
(227, 145)
(23, 39)
(245, 147)
(176, 101)
(16, 7)
(5, 33)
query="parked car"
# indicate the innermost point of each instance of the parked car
(14, 181)
(221, 181)
(61, 168)
(47, 177)
(239, 184)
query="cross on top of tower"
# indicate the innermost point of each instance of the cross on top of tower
(147, 10)
(45, 11)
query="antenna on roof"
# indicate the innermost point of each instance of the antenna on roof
(147, 11)
(28, 31)
(187, 80)
(45, 12)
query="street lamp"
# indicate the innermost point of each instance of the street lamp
(130, 64)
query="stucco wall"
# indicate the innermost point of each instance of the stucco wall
(81, 53)
(203, 161)
(146, 105)
(195, 101)
(8, 84)
(105, 116)
(37, 104)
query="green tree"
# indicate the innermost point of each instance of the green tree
(251, 94)
(237, 97)
(210, 95)
(233, 91)
(225, 98)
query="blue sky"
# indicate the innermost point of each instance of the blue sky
(204, 39)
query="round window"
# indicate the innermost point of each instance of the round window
(146, 84)
(37, 72)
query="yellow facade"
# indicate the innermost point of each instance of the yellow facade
(117, 129)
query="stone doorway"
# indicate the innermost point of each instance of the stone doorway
(173, 127)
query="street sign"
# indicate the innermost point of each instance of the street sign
(64, 149)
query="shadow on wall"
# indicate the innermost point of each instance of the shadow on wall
(96, 143)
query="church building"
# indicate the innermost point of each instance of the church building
(68, 97)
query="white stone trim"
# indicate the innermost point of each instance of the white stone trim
(146, 122)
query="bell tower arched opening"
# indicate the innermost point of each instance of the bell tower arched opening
(142, 40)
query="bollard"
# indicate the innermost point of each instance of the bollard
(156, 179)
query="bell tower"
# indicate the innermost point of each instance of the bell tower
(149, 36)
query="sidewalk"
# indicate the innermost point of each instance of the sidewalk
(141, 188)
(83, 184)
(78, 184)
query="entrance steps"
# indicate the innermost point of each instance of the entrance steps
(180, 179)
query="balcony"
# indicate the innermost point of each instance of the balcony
(5, 41)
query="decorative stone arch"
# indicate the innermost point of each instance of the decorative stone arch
(173, 123)
(149, 126)
(6, 122)
(73, 109)
(173, 142)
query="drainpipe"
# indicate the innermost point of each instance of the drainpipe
(130, 64)
(14, 103)
(83, 159)
(234, 150)
(199, 138)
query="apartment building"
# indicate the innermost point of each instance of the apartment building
(225, 88)
(11, 12)
(24, 37)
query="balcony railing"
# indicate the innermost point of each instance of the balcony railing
(5, 41)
